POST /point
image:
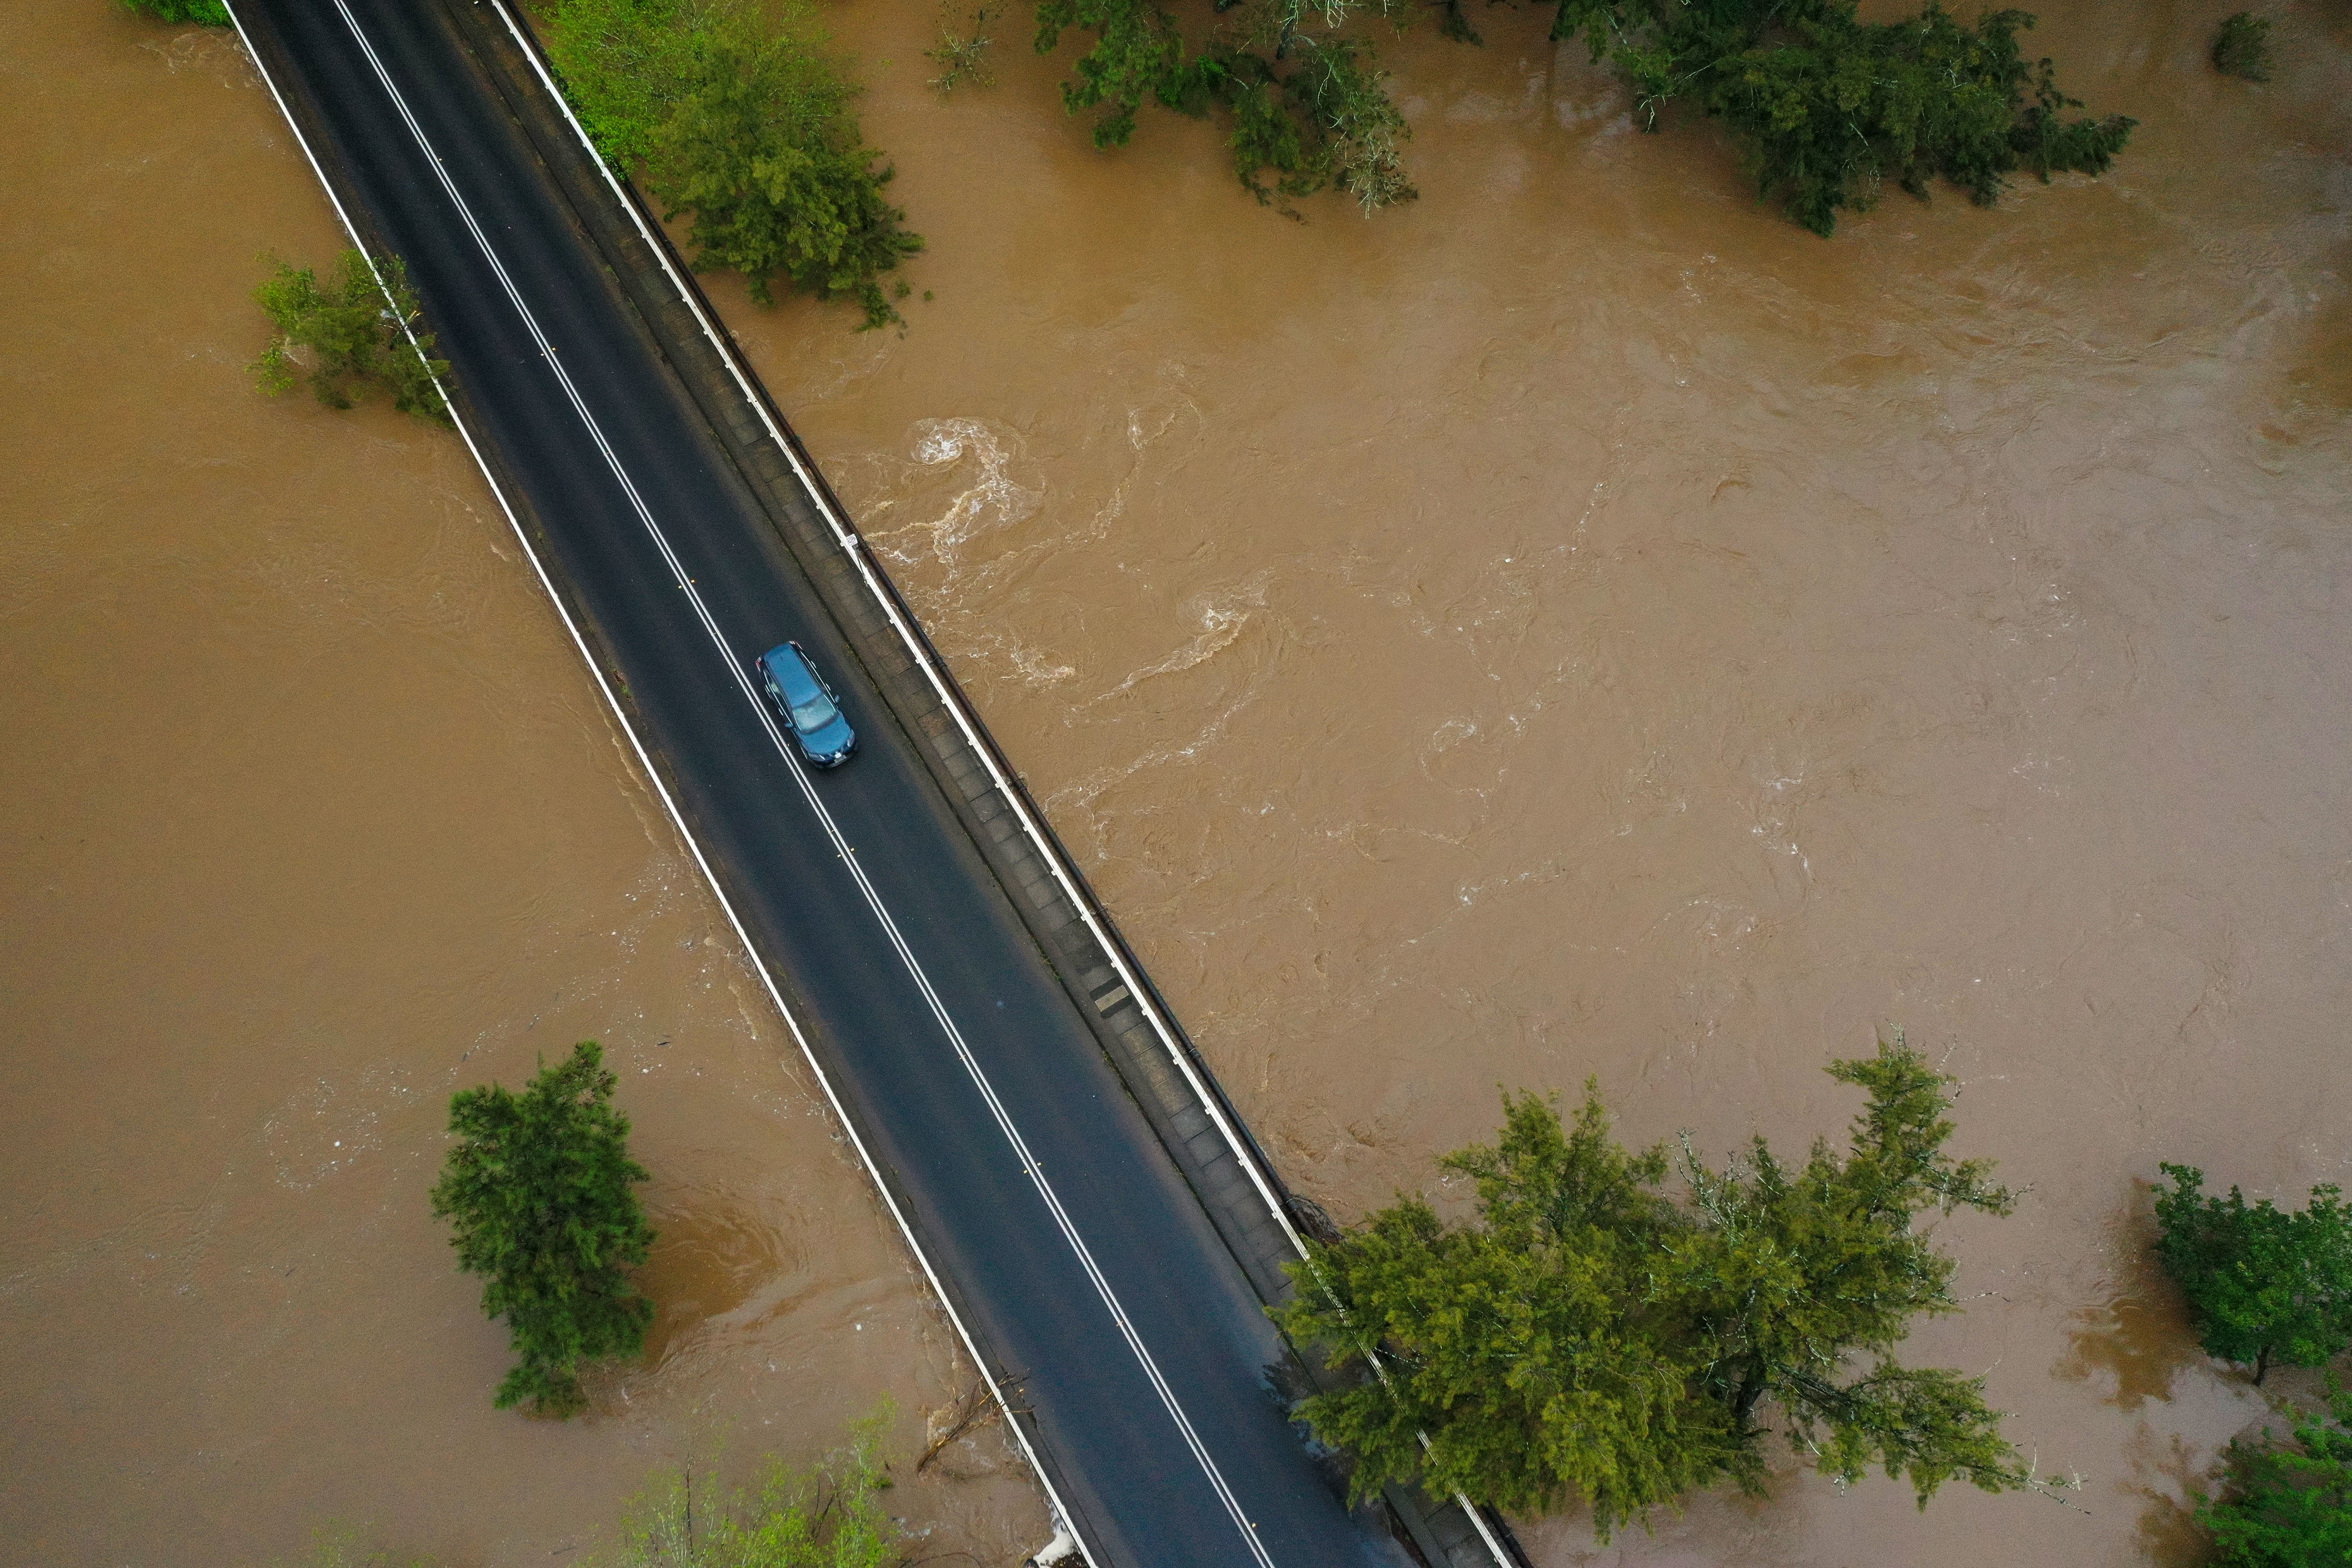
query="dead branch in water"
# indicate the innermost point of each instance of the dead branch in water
(964, 1411)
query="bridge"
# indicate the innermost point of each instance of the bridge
(1094, 1214)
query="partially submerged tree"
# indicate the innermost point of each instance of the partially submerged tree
(204, 12)
(539, 1189)
(1586, 1335)
(1527, 1346)
(1827, 108)
(1785, 1275)
(2264, 1284)
(353, 332)
(770, 201)
(830, 1518)
(2287, 1505)
(2242, 47)
(1307, 101)
(739, 118)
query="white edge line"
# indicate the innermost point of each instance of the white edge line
(971, 1347)
(1478, 1522)
(947, 694)
(942, 688)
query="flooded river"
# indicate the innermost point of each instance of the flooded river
(1577, 623)
(1581, 623)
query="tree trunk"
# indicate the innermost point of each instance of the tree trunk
(2262, 1365)
(1751, 1389)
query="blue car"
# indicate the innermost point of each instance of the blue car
(808, 705)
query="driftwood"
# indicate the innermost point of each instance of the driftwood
(967, 1410)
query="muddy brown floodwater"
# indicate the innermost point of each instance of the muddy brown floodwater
(313, 817)
(1581, 623)
(1578, 624)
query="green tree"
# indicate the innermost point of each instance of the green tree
(1527, 1346)
(1307, 101)
(539, 1189)
(2264, 1285)
(1585, 1335)
(2287, 1506)
(1785, 1275)
(204, 12)
(354, 331)
(831, 1518)
(2241, 47)
(736, 118)
(1826, 108)
(770, 198)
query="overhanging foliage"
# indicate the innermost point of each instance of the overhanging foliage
(204, 12)
(736, 116)
(1826, 109)
(1587, 1336)
(353, 332)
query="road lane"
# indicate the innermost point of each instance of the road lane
(1112, 1439)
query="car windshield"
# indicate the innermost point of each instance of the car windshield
(804, 699)
(811, 712)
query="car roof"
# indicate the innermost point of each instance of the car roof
(791, 670)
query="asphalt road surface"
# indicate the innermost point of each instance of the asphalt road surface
(1034, 1184)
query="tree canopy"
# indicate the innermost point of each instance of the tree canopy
(2287, 1505)
(737, 117)
(354, 331)
(1305, 100)
(539, 1189)
(1826, 109)
(204, 12)
(1588, 1336)
(2264, 1284)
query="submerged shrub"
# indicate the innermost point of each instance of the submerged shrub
(961, 57)
(204, 12)
(353, 331)
(2243, 46)
(1308, 104)
(830, 1518)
